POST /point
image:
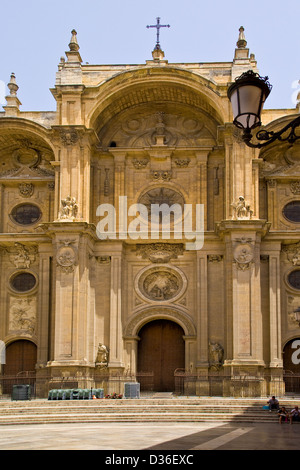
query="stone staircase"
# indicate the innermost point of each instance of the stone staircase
(154, 409)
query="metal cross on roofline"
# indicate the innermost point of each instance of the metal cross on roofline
(158, 26)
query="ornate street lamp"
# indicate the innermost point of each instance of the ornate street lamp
(247, 95)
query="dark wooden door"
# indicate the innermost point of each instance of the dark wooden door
(161, 351)
(20, 357)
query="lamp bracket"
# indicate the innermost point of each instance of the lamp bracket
(269, 136)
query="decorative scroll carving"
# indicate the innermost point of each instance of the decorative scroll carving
(26, 189)
(140, 164)
(295, 187)
(214, 258)
(160, 252)
(182, 163)
(69, 136)
(164, 175)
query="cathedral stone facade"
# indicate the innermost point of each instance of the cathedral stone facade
(84, 301)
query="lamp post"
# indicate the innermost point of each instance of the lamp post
(247, 95)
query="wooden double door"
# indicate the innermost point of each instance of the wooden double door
(161, 350)
(21, 356)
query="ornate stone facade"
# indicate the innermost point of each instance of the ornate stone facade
(155, 133)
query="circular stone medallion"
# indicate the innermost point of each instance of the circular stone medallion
(161, 284)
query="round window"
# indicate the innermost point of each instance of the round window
(294, 279)
(23, 282)
(26, 214)
(292, 211)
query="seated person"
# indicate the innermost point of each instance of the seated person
(283, 414)
(273, 404)
(295, 415)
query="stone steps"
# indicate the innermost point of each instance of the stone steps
(142, 410)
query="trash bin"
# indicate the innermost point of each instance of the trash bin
(97, 392)
(67, 394)
(86, 393)
(53, 394)
(132, 390)
(21, 392)
(60, 394)
(75, 394)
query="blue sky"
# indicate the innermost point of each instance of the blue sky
(34, 34)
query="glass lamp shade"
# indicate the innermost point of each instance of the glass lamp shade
(247, 95)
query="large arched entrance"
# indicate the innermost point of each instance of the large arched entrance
(291, 366)
(161, 350)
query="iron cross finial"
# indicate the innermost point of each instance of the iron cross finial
(158, 26)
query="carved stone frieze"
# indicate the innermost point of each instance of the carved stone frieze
(160, 252)
(22, 315)
(22, 257)
(293, 253)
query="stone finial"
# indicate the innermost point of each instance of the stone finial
(74, 47)
(12, 101)
(12, 85)
(158, 54)
(241, 43)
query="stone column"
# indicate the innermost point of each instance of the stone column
(74, 166)
(239, 175)
(116, 336)
(73, 298)
(201, 192)
(202, 363)
(43, 320)
(131, 349)
(244, 315)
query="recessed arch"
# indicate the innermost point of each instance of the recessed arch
(148, 85)
(171, 313)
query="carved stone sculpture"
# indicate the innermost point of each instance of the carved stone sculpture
(216, 354)
(242, 210)
(293, 253)
(102, 355)
(23, 256)
(69, 209)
